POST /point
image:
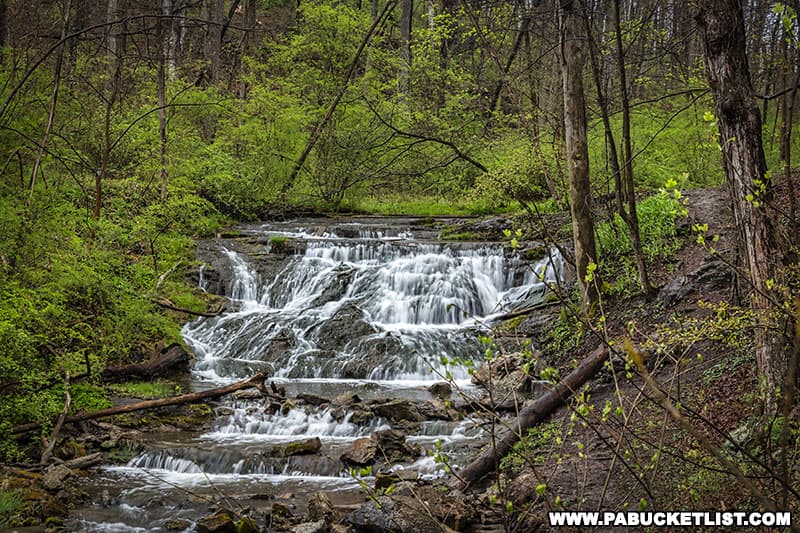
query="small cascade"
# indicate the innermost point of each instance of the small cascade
(369, 312)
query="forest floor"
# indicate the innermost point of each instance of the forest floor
(615, 448)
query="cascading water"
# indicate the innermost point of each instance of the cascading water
(377, 313)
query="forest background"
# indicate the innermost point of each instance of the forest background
(129, 128)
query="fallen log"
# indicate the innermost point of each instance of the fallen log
(167, 305)
(171, 358)
(257, 381)
(529, 417)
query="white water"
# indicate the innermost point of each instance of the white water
(375, 313)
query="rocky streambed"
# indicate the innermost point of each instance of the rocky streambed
(368, 330)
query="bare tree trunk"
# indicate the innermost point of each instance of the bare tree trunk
(575, 129)
(257, 381)
(53, 100)
(165, 35)
(407, 9)
(213, 12)
(112, 39)
(3, 23)
(530, 416)
(739, 122)
(630, 216)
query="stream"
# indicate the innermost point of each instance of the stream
(369, 310)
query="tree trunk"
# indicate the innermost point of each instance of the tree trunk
(572, 61)
(627, 190)
(256, 381)
(3, 23)
(407, 9)
(173, 358)
(213, 12)
(722, 25)
(165, 34)
(53, 100)
(529, 417)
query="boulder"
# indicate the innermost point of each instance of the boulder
(320, 508)
(441, 389)
(503, 376)
(54, 477)
(299, 447)
(345, 325)
(312, 527)
(219, 522)
(362, 452)
(398, 411)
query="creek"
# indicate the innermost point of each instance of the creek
(366, 310)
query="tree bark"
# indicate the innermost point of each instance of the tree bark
(53, 100)
(3, 23)
(572, 62)
(529, 417)
(407, 8)
(256, 381)
(172, 358)
(627, 191)
(722, 25)
(165, 35)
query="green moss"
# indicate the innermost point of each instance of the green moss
(279, 245)
(450, 234)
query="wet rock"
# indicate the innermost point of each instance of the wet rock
(437, 410)
(337, 288)
(246, 524)
(279, 515)
(300, 447)
(219, 522)
(398, 410)
(312, 527)
(320, 508)
(362, 452)
(177, 524)
(345, 325)
(392, 446)
(441, 389)
(374, 351)
(347, 398)
(384, 480)
(54, 477)
(312, 399)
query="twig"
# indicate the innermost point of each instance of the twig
(59, 424)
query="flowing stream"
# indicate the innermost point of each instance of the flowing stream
(358, 308)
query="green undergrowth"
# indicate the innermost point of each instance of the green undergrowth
(657, 223)
(147, 389)
(426, 206)
(77, 294)
(11, 501)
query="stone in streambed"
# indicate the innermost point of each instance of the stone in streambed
(362, 452)
(441, 389)
(320, 508)
(398, 411)
(219, 522)
(54, 477)
(299, 447)
(312, 527)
